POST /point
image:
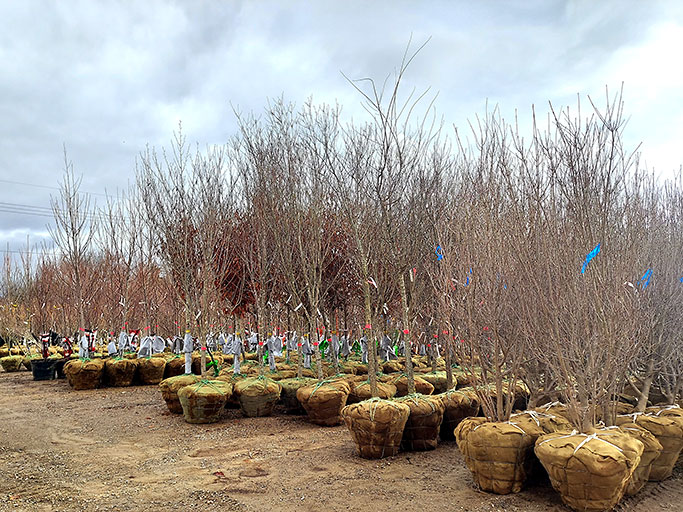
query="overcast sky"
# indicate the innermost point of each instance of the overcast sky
(106, 78)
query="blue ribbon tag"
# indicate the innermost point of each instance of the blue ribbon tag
(589, 257)
(439, 253)
(645, 280)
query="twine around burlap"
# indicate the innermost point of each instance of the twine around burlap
(84, 373)
(257, 395)
(652, 449)
(324, 401)
(422, 428)
(669, 432)
(589, 470)
(458, 405)
(203, 402)
(376, 426)
(169, 390)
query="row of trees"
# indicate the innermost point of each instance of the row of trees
(478, 243)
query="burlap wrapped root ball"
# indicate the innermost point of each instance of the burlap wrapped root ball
(228, 375)
(672, 410)
(669, 432)
(652, 450)
(422, 387)
(288, 394)
(361, 391)
(324, 401)
(169, 390)
(394, 366)
(203, 402)
(554, 408)
(257, 395)
(461, 432)
(590, 471)
(376, 426)
(458, 405)
(11, 363)
(151, 370)
(119, 372)
(439, 380)
(499, 455)
(174, 366)
(424, 423)
(84, 373)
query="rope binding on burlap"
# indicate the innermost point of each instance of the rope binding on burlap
(587, 438)
(416, 398)
(457, 391)
(324, 382)
(667, 408)
(206, 382)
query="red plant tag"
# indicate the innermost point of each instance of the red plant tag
(204, 349)
(368, 326)
(405, 331)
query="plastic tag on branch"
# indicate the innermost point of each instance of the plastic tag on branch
(645, 280)
(589, 257)
(439, 253)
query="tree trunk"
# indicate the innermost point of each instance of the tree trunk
(645, 389)
(407, 335)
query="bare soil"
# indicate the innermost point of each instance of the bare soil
(120, 449)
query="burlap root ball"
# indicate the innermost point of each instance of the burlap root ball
(174, 366)
(119, 372)
(151, 370)
(203, 402)
(554, 408)
(288, 394)
(394, 366)
(361, 391)
(169, 390)
(11, 363)
(590, 471)
(499, 455)
(422, 387)
(669, 432)
(84, 373)
(439, 380)
(424, 423)
(323, 401)
(652, 450)
(257, 395)
(376, 426)
(458, 405)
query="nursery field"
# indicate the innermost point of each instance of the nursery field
(120, 449)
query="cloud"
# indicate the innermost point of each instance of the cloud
(107, 78)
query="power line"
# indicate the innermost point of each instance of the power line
(49, 187)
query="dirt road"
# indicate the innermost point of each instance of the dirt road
(119, 449)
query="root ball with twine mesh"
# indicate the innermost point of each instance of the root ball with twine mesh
(376, 426)
(203, 402)
(589, 470)
(169, 390)
(257, 395)
(422, 428)
(324, 401)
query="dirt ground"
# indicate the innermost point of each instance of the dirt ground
(120, 449)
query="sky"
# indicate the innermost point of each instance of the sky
(103, 80)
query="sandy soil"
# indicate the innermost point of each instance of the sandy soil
(120, 449)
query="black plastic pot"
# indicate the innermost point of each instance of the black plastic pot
(59, 367)
(43, 369)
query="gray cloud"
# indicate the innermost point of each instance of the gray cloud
(107, 78)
